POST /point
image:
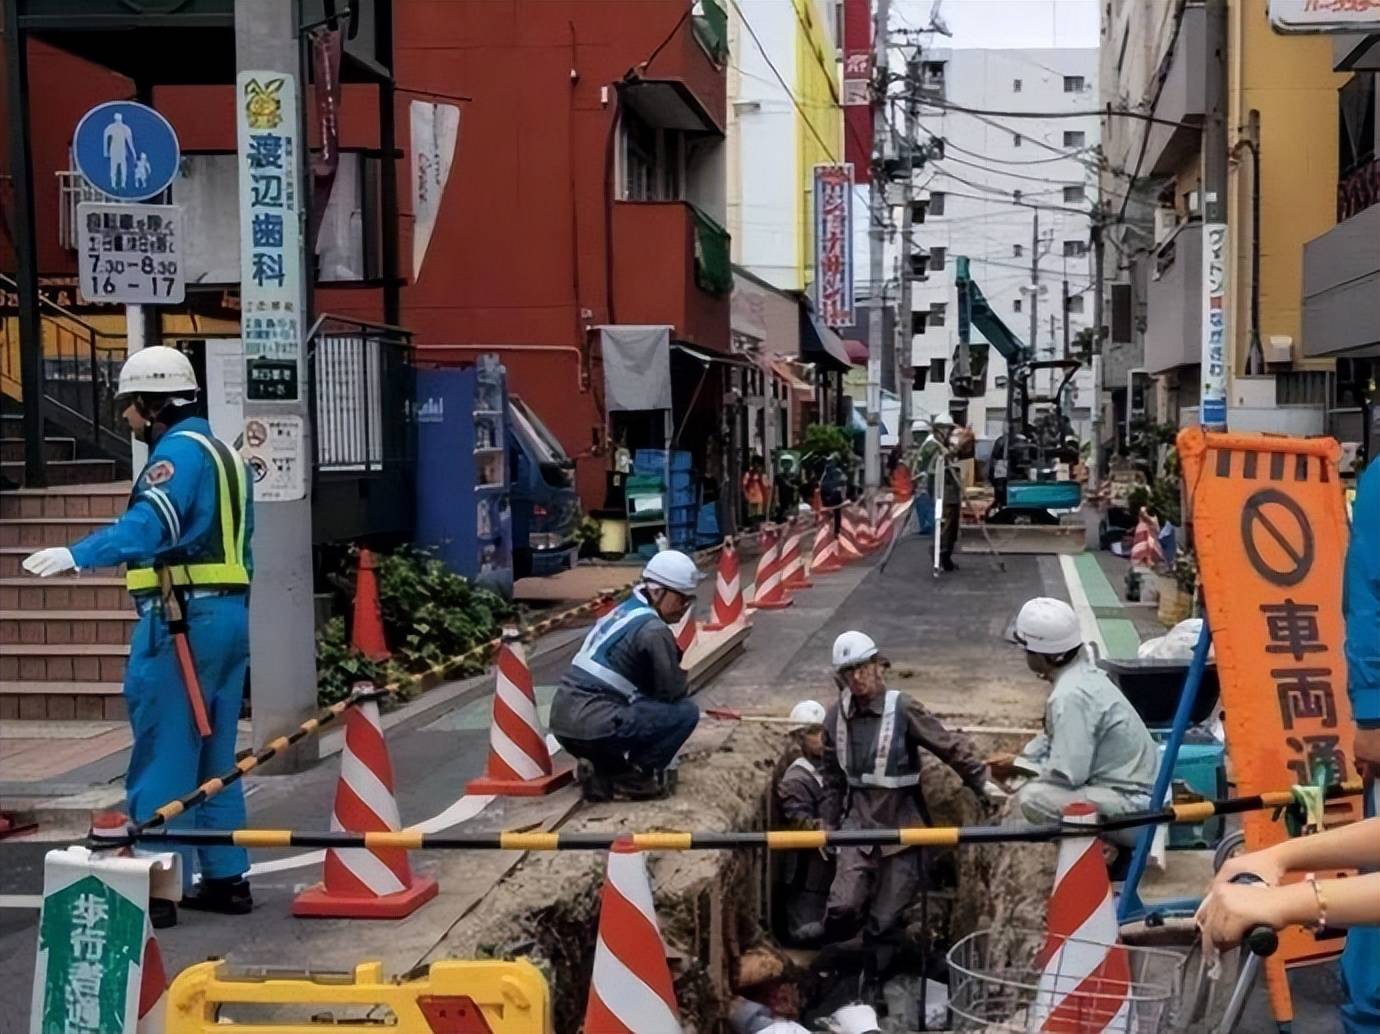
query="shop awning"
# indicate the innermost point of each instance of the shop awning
(668, 104)
(708, 357)
(802, 388)
(821, 346)
(857, 351)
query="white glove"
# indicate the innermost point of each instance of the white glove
(48, 562)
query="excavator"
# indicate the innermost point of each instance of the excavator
(1031, 463)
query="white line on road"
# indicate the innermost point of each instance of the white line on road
(1087, 620)
(21, 900)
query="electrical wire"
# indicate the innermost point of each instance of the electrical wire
(1161, 78)
(690, 7)
(1097, 113)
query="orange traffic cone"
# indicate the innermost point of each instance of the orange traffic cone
(368, 637)
(365, 883)
(825, 556)
(770, 592)
(1085, 974)
(728, 606)
(630, 990)
(793, 559)
(685, 630)
(153, 987)
(519, 763)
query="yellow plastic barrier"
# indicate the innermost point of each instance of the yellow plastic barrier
(451, 998)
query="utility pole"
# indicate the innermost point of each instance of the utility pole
(1216, 341)
(1099, 287)
(1035, 283)
(282, 658)
(877, 215)
(905, 380)
(1065, 310)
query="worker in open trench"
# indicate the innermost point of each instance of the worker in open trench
(623, 709)
(805, 876)
(873, 743)
(1094, 747)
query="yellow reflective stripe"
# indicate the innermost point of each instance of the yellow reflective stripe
(231, 544)
(144, 579)
(244, 507)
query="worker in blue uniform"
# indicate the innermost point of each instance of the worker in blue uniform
(184, 539)
(1361, 610)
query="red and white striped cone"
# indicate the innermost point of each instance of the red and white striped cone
(892, 519)
(793, 559)
(1085, 973)
(770, 584)
(849, 549)
(360, 882)
(825, 558)
(728, 609)
(630, 990)
(685, 630)
(519, 762)
(153, 987)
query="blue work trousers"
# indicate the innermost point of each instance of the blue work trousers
(924, 512)
(648, 734)
(1361, 959)
(169, 758)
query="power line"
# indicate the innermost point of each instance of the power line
(1098, 113)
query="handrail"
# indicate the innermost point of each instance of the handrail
(400, 332)
(67, 314)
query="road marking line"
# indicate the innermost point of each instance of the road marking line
(1087, 620)
(21, 900)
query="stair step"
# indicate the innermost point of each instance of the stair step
(66, 472)
(85, 662)
(12, 556)
(66, 627)
(85, 592)
(54, 448)
(62, 701)
(37, 532)
(102, 500)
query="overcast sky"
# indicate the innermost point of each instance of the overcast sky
(1006, 23)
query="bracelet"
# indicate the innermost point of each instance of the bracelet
(1320, 924)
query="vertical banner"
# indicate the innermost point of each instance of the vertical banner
(435, 129)
(857, 86)
(271, 211)
(1213, 412)
(1271, 534)
(325, 65)
(834, 244)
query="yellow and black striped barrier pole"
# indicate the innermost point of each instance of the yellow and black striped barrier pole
(772, 840)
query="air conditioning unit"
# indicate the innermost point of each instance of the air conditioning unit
(1279, 349)
(1166, 221)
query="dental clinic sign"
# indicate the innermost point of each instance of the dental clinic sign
(1298, 16)
(1213, 411)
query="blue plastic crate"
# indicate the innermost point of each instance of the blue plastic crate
(707, 525)
(1201, 768)
(653, 461)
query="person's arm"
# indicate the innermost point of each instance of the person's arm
(1231, 910)
(1072, 732)
(799, 804)
(954, 749)
(1354, 846)
(1361, 605)
(835, 780)
(658, 645)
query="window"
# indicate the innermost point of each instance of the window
(936, 371)
(1017, 250)
(918, 211)
(937, 258)
(1015, 139)
(1075, 303)
(1015, 86)
(1073, 194)
(918, 321)
(937, 312)
(653, 161)
(1016, 305)
(1075, 249)
(936, 202)
(1075, 138)
(1074, 84)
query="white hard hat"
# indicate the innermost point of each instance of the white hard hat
(854, 1019)
(1048, 626)
(808, 712)
(852, 649)
(674, 570)
(157, 370)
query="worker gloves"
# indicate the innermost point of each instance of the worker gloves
(48, 562)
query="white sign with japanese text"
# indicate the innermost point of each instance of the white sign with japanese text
(435, 129)
(1358, 16)
(1213, 412)
(275, 449)
(834, 244)
(130, 253)
(271, 214)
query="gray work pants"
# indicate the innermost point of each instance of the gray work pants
(879, 885)
(1045, 802)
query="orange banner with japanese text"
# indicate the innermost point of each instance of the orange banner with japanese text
(1270, 532)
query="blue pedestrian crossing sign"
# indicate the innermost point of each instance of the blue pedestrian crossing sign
(125, 150)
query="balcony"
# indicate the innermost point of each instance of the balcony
(671, 266)
(1174, 302)
(1341, 287)
(1182, 99)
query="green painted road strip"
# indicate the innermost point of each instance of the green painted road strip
(1116, 635)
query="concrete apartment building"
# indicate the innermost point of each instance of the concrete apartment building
(1015, 195)
(1283, 101)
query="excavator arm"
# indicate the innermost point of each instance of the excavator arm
(974, 311)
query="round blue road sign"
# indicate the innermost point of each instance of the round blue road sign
(126, 150)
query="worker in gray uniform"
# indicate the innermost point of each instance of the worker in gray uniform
(805, 875)
(873, 738)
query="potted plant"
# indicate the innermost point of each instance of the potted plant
(1178, 584)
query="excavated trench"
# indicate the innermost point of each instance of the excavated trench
(713, 904)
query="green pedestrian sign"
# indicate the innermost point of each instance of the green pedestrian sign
(91, 936)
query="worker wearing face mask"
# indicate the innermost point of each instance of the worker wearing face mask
(622, 708)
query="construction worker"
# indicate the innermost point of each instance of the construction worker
(768, 996)
(943, 443)
(622, 708)
(184, 539)
(872, 742)
(1361, 610)
(805, 875)
(1094, 747)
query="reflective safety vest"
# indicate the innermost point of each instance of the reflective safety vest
(890, 760)
(808, 767)
(222, 565)
(593, 658)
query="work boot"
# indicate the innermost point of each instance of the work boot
(162, 913)
(947, 563)
(229, 897)
(595, 786)
(640, 785)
